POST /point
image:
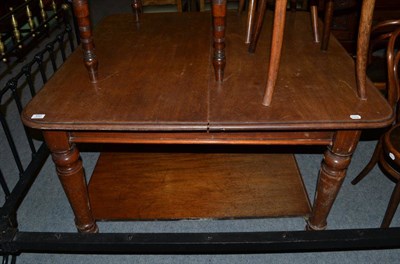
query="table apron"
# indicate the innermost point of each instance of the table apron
(225, 138)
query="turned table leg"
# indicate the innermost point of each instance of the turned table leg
(81, 11)
(333, 171)
(219, 19)
(70, 172)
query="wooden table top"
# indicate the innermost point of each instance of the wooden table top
(159, 77)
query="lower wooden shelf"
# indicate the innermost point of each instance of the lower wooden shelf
(168, 186)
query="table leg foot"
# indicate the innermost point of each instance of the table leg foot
(70, 172)
(333, 171)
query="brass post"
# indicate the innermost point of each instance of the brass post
(30, 19)
(17, 34)
(42, 12)
(2, 50)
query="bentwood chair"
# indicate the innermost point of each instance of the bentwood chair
(377, 66)
(278, 32)
(387, 151)
(254, 23)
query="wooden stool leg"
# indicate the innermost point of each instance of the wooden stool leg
(392, 207)
(70, 173)
(364, 32)
(250, 20)
(276, 48)
(81, 11)
(254, 31)
(371, 164)
(327, 24)
(219, 16)
(137, 9)
(333, 171)
(314, 20)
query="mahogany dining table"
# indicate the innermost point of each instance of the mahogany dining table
(193, 147)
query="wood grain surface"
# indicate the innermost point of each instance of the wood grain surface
(159, 77)
(151, 186)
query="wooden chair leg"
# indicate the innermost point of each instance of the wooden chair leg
(250, 21)
(256, 29)
(371, 164)
(392, 207)
(314, 20)
(327, 24)
(137, 9)
(276, 48)
(241, 6)
(364, 32)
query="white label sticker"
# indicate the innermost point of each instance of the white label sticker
(355, 117)
(38, 116)
(391, 155)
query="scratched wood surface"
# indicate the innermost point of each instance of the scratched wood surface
(192, 185)
(159, 77)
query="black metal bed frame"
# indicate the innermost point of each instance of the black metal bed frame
(14, 242)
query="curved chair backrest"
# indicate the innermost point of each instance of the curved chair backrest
(377, 61)
(381, 33)
(393, 59)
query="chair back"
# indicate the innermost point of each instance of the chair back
(393, 59)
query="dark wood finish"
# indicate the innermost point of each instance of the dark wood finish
(70, 172)
(158, 87)
(308, 80)
(277, 40)
(346, 17)
(156, 59)
(137, 9)
(155, 186)
(254, 30)
(364, 33)
(333, 170)
(327, 24)
(387, 151)
(221, 138)
(218, 10)
(81, 11)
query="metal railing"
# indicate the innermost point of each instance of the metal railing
(19, 89)
(24, 25)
